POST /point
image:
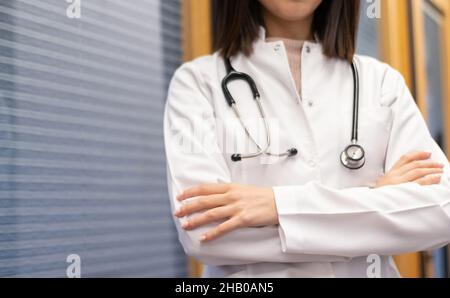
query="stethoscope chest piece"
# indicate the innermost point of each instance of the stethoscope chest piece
(353, 157)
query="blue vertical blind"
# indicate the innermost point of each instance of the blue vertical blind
(81, 145)
(368, 34)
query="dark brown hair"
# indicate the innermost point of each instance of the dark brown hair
(335, 25)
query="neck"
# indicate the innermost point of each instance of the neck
(297, 30)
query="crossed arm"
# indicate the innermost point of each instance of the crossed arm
(245, 206)
(409, 211)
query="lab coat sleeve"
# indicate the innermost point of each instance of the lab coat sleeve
(316, 219)
(193, 158)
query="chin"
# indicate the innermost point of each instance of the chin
(291, 10)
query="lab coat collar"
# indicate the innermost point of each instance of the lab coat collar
(263, 34)
(313, 64)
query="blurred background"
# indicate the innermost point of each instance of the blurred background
(82, 92)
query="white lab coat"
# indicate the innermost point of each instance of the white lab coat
(330, 218)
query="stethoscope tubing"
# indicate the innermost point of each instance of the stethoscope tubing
(355, 120)
(347, 160)
(247, 132)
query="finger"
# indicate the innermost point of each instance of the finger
(203, 190)
(429, 180)
(221, 230)
(412, 156)
(200, 204)
(208, 217)
(420, 173)
(418, 165)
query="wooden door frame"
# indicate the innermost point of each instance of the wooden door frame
(395, 41)
(197, 28)
(396, 51)
(197, 41)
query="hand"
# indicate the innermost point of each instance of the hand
(238, 206)
(413, 167)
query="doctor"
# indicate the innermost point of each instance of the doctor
(307, 158)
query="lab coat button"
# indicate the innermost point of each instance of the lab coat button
(277, 48)
(310, 103)
(308, 49)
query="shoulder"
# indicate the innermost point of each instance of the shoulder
(201, 68)
(389, 80)
(374, 67)
(195, 78)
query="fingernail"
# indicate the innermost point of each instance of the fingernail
(179, 196)
(437, 175)
(203, 238)
(177, 212)
(185, 225)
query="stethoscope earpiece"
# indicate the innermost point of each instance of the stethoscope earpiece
(236, 157)
(292, 152)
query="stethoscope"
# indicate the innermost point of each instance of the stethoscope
(353, 156)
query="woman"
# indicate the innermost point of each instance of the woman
(305, 214)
